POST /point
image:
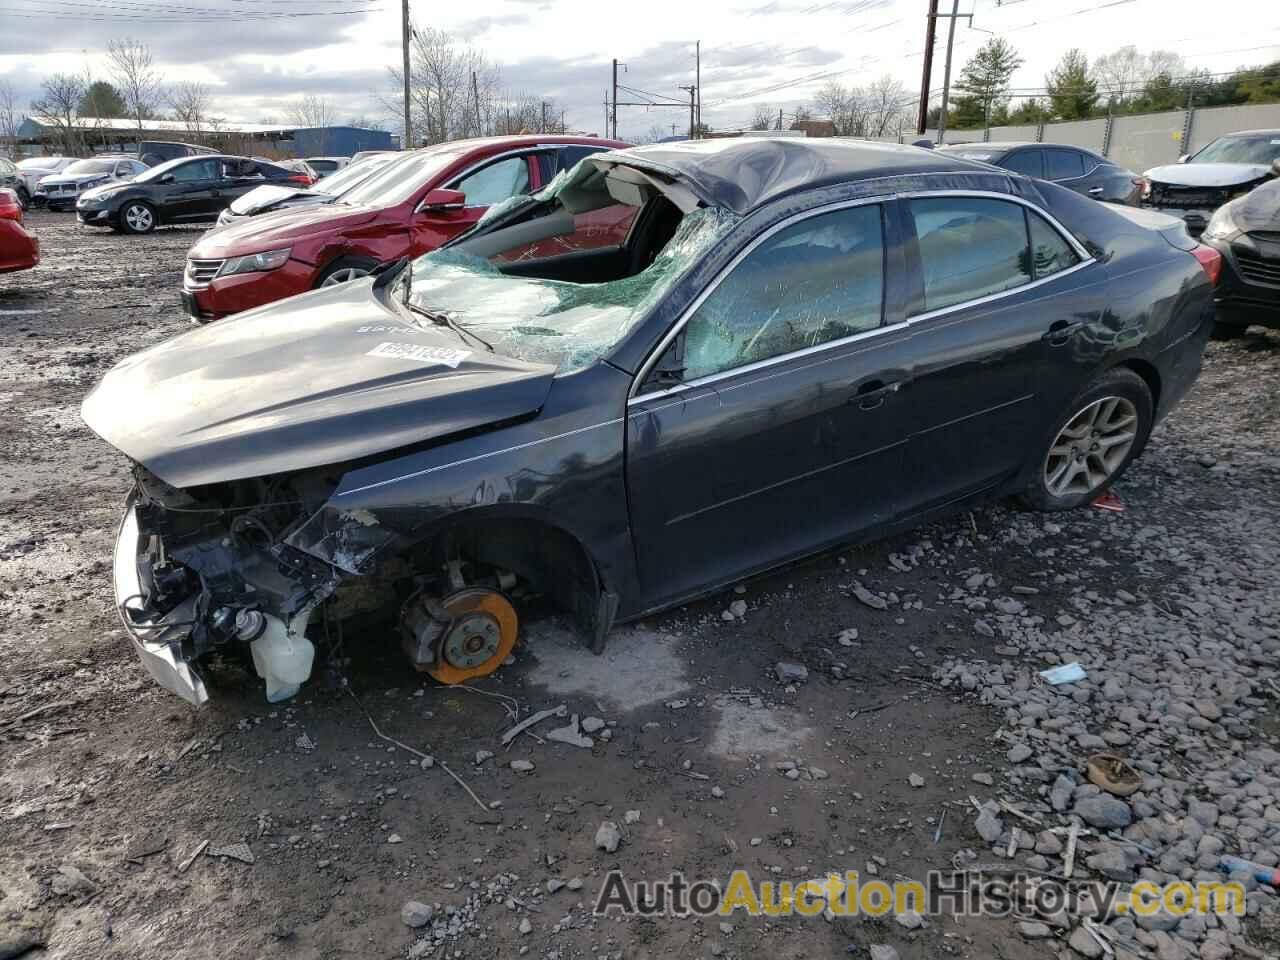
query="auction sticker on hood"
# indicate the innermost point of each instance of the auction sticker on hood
(419, 352)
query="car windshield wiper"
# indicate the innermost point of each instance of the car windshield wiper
(392, 272)
(444, 320)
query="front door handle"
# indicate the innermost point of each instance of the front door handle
(1095, 191)
(1060, 331)
(873, 393)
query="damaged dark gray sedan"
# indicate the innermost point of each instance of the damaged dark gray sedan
(799, 344)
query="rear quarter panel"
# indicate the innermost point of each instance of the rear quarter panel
(1159, 302)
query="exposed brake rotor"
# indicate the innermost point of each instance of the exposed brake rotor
(479, 635)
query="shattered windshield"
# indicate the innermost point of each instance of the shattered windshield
(1263, 150)
(556, 321)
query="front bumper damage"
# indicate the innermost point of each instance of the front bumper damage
(158, 641)
(195, 576)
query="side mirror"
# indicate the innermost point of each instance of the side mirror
(1183, 158)
(443, 199)
(1275, 168)
(168, 178)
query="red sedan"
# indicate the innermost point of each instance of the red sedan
(19, 250)
(408, 208)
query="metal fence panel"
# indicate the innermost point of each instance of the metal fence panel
(1078, 133)
(1214, 122)
(1027, 131)
(1146, 140)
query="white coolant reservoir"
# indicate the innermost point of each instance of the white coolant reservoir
(283, 657)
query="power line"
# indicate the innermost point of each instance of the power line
(175, 15)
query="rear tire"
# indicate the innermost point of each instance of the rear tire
(1227, 331)
(137, 216)
(1091, 443)
(24, 198)
(346, 268)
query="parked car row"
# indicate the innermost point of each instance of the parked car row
(624, 378)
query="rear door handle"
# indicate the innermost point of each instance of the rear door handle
(1060, 332)
(1095, 191)
(872, 393)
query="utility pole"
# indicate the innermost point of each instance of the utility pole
(544, 117)
(614, 133)
(693, 107)
(698, 82)
(779, 119)
(475, 95)
(929, 37)
(946, 72)
(408, 135)
(955, 15)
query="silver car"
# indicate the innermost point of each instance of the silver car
(61, 190)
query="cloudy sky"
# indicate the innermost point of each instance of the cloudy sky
(771, 52)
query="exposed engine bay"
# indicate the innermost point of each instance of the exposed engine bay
(247, 564)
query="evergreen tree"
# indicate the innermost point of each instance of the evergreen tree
(101, 99)
(1073, 93)
(984, 81)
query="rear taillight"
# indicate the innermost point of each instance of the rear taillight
(1211, 260)
(301, 178)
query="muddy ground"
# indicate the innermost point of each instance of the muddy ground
(107, 775)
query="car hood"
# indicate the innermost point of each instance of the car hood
(73, 178)
(279, 228)
(1259, 209)
(325, 377)
(1207, 174)
(265, 197)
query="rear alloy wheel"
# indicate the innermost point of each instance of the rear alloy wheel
(1107, 427)
(345, 269)
(137, 217)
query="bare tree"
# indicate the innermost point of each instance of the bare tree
(9, 119)
(60, 94)
(189, 100)
(311, 111)
(848, 107)
(456, 92)
(1123, 73)
(134, 74)
(886, 99)
(763, 118)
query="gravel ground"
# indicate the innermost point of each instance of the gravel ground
(706, 761)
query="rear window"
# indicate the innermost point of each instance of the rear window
(323, 166)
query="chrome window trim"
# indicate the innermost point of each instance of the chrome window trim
(652, 359)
